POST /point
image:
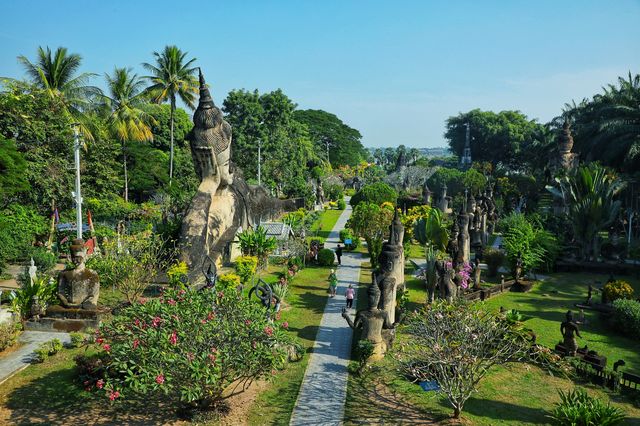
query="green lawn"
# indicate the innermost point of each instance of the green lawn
(547, 303)
(306, 299)
(512, 394)
(325, 223)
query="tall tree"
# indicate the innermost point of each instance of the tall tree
(13, 167)
(172, 77)
(56, 75)
(332, 138)
(495, 137)
(127, 120)
(606, 128)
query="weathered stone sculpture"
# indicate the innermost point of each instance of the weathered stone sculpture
(79, 287)
(374, 322)
(443, 202)
(446, 283)
(390, 274)
(569, 330)
(224, 202)
(464, 241)
(565, 160)
(33, 269)
(426, 194)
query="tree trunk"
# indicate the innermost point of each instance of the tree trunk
(126, 175)
(456, 413)
(173, 108)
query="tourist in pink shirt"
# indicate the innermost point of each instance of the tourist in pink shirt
(350, 293)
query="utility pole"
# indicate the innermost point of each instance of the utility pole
(259, 160)
(77, 194)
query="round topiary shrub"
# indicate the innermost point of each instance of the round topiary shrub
(326, 257)
(341, 204)
(617, 289)
(626, 317)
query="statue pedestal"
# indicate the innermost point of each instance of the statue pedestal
(59, 318)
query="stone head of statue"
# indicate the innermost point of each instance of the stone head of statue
(78, 253)
(374, 294)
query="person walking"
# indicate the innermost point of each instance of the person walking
(339, 254)
(333, 283)
(350, 292)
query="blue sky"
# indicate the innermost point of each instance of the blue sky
(395, 70)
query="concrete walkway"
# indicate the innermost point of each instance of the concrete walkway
(324, 387)
(21, 358)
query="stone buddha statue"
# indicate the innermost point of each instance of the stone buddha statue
(373, 321)
(79, 287)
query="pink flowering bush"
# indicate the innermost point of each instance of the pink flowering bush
(191, 345)
(464, 275)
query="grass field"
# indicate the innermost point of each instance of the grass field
(512, 394)
(325, 223)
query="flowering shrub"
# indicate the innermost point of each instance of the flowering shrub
(228, 281)
(177, 274)
(617, 290)
(190, 345)
(246, 267)
(464, 275)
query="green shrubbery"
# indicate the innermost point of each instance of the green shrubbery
(341, 204)
(626, 317)
(43, 259)
(576, 407)
(347, 234)
(43, 287)
(618, 289)
(376, 193)
(228, 281)
(246, 267)
(189, 346)
(19, 227)
(326, 257)
(9, 332)
(536, 246)
(46, 350)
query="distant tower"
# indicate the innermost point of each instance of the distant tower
(465, 160)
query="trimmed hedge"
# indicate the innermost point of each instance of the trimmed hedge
(326, 257)
(626, 317)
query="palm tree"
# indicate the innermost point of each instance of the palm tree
(590, 196)
(56, 75)
(127, 121)
(171, 77)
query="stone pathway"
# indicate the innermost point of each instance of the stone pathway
(324, 387)
(21, 358)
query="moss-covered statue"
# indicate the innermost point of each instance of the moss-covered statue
(79, 287)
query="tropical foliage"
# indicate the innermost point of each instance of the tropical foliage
(371, 222)
(576, 407)
(254, 242)
(189, 346)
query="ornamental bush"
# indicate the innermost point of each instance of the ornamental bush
(246, 267)
(347, 234)
(576, 407)
(326, 257)
(189, 346)
(228, 281)
(626, 317)
(618, 289)
(9, 332)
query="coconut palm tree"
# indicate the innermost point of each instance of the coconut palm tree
(172, 77)
(55, 73)
(126, 120)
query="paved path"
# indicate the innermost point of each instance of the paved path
(21, 358)
(324, 387)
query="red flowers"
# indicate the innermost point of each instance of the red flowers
(156, 322)
(247, 322)
(268, 331)
(212, 358)
(136, 343)
(106, 347)
(113, 395)
(211, 316)
(173, 339)
(171, 302)
(100, 384)
(142, 300)
(285, 324)
(159, 379)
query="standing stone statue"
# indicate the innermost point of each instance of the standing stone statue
(79, 287)
(464, 241)
(426, 194)
(373, 321)
(476, 273)
(446, 274)
(518, 270)
(443, 202)
(569, 330)
(33, 269)
(319, 193)
(390, 274)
